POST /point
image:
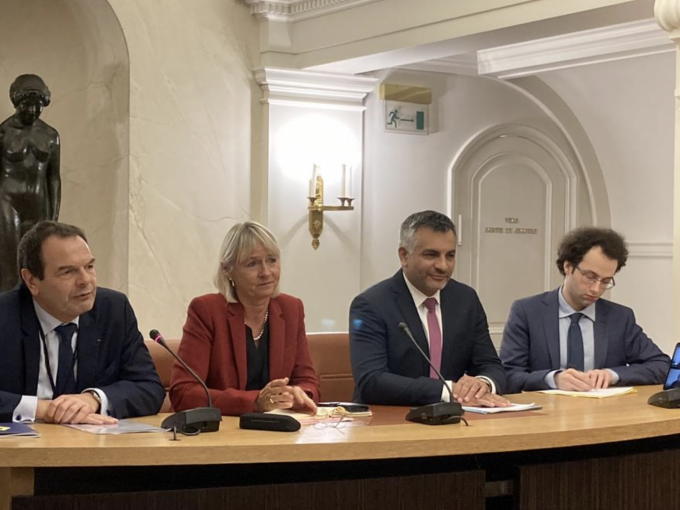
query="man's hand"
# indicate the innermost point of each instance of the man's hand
(98, 419)
(490, 400)
(600, 379)
(573, 380)
(72, 409)
(468, 389)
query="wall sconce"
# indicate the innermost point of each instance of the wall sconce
(316, 206)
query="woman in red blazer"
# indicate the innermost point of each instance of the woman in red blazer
(246, 342)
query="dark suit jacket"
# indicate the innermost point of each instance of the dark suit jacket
(531, 344)
(111, 354)
(214, 346)
(387, 367)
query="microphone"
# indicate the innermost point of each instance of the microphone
(441, 413)
(192, 421)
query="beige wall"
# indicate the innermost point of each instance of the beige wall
(194, 125)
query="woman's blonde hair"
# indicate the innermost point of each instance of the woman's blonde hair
(238, 244)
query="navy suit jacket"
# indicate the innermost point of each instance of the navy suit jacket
(111, 354)
(531, 344)
(387, 367)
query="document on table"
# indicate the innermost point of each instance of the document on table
(603, 393)
(17, 430)
(494, 410)
(122, 427)
(323, 413)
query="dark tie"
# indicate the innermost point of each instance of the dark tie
(435, 336)
(66, 381)
(575, 343)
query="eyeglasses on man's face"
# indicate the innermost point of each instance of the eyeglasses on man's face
(591, 278)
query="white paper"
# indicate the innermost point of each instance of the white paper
(493, 410)
(603, 393)
(122, 427)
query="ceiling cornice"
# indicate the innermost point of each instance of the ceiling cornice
(314, 88)
(296, 10)
(626, 40)
(465, 63)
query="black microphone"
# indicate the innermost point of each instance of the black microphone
(191, 421)
(441, 413)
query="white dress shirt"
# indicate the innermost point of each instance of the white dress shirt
(419, 300)
(587, 326)
(25, 411)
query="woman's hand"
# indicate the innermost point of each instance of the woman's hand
(278, 395)
(302, 403)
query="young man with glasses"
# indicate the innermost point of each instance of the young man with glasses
(571, 338)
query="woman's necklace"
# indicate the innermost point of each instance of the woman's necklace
(264, 323)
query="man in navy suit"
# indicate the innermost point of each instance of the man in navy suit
(445, 316)
(571, 338)
(71, 352)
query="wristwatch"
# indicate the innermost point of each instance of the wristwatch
(96, 396)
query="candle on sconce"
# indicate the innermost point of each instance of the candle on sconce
(343, 182)
(312, 182)
(346, 184)
(348, 191)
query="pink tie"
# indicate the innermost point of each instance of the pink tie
(435, 336)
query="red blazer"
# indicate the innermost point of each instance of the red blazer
(214, 345)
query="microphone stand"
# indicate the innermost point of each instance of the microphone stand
(192, 421)
(441, 413)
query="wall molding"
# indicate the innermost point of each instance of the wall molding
(617, 42)
(465, 63)
(296, 10)
(650, 250)
(313, 88)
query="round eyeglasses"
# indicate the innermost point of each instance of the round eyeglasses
(592, 278)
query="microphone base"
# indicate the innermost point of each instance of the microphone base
(669, 399)
(194, 421)
(442, 413)
(264, 421)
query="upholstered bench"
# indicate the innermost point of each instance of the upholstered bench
(330, 356)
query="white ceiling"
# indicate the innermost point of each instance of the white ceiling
(620, 31)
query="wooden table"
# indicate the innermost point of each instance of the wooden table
(564, 425)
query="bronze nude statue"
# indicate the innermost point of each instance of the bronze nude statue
(30, 185)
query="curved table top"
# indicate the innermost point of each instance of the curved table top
(563, 422)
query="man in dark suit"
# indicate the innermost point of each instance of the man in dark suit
(571, 338)
(445, 316)
(71, 352)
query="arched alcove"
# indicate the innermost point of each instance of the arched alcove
(78, 48)
(515, 192)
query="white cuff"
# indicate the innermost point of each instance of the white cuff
(446, 396)
(104, 409)
(550, 379)
(491, 383)
(25, 411)
(615, 377)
